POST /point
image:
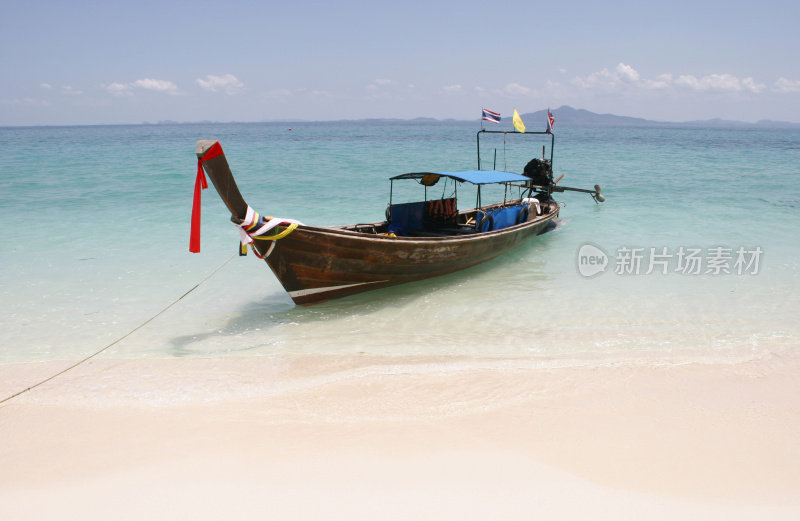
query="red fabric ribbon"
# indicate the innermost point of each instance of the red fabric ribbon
(200, 184)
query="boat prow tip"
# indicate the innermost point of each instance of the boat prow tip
(203, 145)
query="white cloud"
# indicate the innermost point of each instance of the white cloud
(625, 76)
(710, 82)
(662, 81)
(119, 89)
(227, 83)
(786, 86)
(452, 88)
(156, 85)
(602, 78)
(719, 83)
(379, 82)
(627, 73)
(622, 75)
(127, 89)
(516, 88)
(751, 85)
(45, 86)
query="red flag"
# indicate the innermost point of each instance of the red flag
(200, 184)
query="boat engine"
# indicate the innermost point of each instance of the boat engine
(539, 171)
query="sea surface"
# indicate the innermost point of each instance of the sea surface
(699, 234)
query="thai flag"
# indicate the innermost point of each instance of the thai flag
(550, 121)
(488, 115)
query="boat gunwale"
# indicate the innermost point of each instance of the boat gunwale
(341, 230)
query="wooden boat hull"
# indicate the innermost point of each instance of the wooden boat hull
(316, 264)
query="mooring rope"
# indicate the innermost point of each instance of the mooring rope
(120, 339)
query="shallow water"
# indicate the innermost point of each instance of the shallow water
(111, 208)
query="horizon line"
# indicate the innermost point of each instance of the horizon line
(631, 121)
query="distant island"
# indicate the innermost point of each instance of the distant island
(567, 115)
(564, 115)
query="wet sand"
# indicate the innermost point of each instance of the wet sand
(359, 437)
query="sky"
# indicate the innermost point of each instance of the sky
(108, 62)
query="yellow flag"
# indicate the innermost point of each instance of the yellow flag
(518, 124)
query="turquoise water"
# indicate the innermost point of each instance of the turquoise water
(96, 224)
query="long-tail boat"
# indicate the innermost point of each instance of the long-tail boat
(420, 239)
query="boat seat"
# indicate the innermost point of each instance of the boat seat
(503, 217)
(440, 212)
(406, 217)
(422, 215)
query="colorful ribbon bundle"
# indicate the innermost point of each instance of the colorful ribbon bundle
(255, 226)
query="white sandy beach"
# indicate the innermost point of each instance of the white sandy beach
(358, 437)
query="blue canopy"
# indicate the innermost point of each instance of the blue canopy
(476, 177)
